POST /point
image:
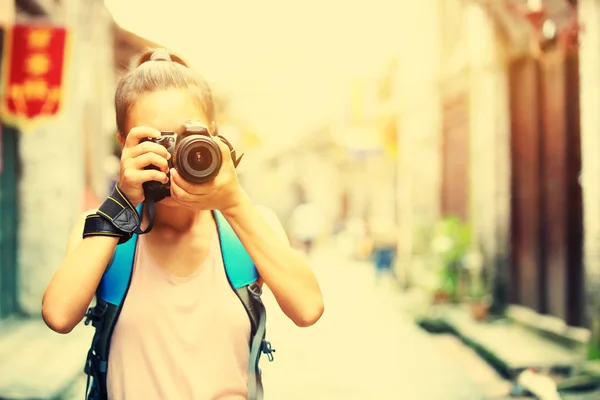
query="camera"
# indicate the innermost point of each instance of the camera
(194, 154)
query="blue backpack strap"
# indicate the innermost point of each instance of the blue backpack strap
(240, 268)
(110, 295)
(115, 281)
(243, 277)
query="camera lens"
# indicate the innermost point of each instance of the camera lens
(199, 158)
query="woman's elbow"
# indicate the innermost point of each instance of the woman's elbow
(311, 315)
(56, 321)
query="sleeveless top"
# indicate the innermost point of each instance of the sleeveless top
(179, 338)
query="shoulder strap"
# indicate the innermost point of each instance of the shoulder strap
(243, 276)
(110, 294)
(239, 267)
(115, 281)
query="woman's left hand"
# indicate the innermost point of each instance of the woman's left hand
(221, 193)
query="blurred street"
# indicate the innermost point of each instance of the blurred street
(451, 143)
(365, 347)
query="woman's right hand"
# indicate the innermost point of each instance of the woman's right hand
(135, 157)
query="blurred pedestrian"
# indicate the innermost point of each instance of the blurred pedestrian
(384, 250)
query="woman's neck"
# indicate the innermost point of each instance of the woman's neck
(179, 219)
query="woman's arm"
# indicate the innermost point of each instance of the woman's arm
(74, 283)
(283, 269)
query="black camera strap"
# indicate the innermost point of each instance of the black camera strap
(234, 158)
(117, 217)
(97, 225)
(151, 208)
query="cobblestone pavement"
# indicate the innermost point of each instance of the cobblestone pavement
(364, 347)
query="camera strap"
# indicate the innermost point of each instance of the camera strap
(151, 208)
(117, 217)
(234, 158)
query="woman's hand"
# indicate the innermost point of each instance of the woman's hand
(135, 157)
(221, 193)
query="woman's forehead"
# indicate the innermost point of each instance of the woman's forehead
(165, 110)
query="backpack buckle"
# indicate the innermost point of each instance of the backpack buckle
(89, 363)
(255, 290)
(268, 350)
(95, 314)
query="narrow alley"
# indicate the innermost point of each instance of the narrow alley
(365, 347)
(454, 141)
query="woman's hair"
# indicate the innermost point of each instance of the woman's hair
(159, 69)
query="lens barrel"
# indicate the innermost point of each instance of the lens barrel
(197, 158)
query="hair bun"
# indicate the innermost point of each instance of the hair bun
(160, 55)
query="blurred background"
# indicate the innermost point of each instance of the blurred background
(436, 160)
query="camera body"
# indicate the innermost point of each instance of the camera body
(194, 154)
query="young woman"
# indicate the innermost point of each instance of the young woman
(182, 332)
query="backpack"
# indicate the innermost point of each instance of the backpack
(114, 285)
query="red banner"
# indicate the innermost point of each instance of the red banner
(33, 71)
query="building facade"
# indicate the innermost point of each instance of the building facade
(51, 168)
(488, 116)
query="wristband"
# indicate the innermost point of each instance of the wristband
(97, 225)
(119, 211)
(116, 217)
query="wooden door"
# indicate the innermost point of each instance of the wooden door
(525, 276)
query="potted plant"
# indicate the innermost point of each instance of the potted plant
(479, 305)
(478, 296)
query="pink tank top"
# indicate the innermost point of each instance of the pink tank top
(179, 338)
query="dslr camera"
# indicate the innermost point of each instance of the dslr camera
(194, 154)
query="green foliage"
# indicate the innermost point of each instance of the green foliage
(450, 242)
(456, 237)
(593, 352)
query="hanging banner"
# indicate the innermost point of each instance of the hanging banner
(32, 73)
(1, 55)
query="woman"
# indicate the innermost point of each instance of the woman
(165, 342)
